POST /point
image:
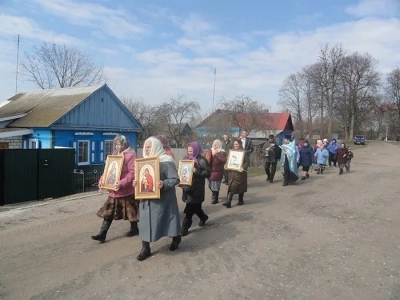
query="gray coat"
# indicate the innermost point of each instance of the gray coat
(159, 218)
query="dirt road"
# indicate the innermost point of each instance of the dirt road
(329, 237)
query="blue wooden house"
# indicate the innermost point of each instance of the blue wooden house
(84, 118)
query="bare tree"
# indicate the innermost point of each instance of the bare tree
(331, 62)
(291, 98)
(392, 88)
(52, 65)
(360, 82)
(172, 116)
(246, 113)
(145, 114)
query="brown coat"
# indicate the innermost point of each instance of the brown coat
(217, 163)
(341, 155)
(238, 180)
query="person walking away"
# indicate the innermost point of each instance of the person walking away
(238, 179)
(160, 217)
(195, 194)
(120, 204)
(321, 155)
(217, 160)
(341, 157)
(226, 145)
(306, 158)
(272, 154)
(332, 147)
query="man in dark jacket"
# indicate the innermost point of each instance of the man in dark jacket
(272, 153)
(247, 144)
(226, 145)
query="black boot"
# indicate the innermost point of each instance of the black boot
(241, 202)
(145, 252)
(101, 236)
(134, 230)
(176, 240)
(340, 171)
(228, 201)
(214, 197)
(203, 220)
(186, 223)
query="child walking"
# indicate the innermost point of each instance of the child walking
(321, 155)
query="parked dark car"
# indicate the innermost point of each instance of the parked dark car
(359, 140)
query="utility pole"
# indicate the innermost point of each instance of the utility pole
(16, 73)
(215, 76)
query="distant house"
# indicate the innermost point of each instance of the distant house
(84, 118)
(221, 122)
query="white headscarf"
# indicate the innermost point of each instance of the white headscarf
(219, 145)
(157, 149)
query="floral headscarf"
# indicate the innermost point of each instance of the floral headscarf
(157, 149)
(124, 141)
(196, 151)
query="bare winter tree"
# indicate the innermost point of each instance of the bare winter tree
(360, 83)
(246, 113)
(331, 62)
(145, 114)
(392, 89)
(52, 65)
(172, 116)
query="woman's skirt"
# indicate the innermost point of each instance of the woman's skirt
(214, 185)
(123, 208)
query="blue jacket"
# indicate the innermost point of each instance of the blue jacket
(332, 147)
(321, 156)
(306, 156)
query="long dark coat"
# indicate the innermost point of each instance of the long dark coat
(196, 193)
(217, 165)
(339, 156)
(159, 218)
(237, 181)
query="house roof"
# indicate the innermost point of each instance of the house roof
(273, 121)
(9, 132)
(44, 107)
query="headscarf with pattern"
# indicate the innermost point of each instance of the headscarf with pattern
(164, 141)
(124, 141)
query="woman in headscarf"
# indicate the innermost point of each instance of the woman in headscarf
(121, 204)
(306, 159)
(167, 148)
(238, 179)
(159, 218)
(217, 159)
(194, 196)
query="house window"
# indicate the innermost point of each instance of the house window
(109, 147)
(83, 152)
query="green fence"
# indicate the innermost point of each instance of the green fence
(35, 174)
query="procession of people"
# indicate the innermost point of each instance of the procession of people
(153, 219)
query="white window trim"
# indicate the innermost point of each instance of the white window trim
(30, 143)
(105, 147)
(88, 155)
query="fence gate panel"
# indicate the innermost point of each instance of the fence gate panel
(54, 168)
(19, 172)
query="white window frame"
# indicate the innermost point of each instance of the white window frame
(105, 147)
(31, 141)
(87, 162)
